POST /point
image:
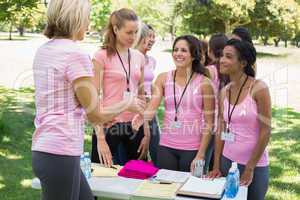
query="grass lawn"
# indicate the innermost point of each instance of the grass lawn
(16, 127)
(15, 37)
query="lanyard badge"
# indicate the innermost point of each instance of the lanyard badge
(176, 123)
(126, 93)
(227, 135)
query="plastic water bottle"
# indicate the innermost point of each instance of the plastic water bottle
(88, 173)
(232, 182)
(199, 167)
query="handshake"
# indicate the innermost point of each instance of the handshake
(136, 105)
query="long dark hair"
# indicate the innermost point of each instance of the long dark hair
(196, 53)
(204, 49)
(216, 45)
(246, 52)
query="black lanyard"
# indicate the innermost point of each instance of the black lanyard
(237, 99)
(123, 66)
(175, 103)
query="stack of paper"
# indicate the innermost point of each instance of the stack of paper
(148, 190)
(200, 187)
(101, 171)
(170, 176)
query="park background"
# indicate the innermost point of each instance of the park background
(275, 27)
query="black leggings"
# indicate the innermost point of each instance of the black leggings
(174, 159)
(61, 177)
(120, 133)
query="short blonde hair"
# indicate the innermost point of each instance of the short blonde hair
(145, 30)
(65, 18)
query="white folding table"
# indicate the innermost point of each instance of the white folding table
(124, 188)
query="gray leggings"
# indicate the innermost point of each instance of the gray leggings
(259, 186)
(61, 177)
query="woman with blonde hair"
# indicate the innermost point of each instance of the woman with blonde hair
(119, 73)
(144, 45)
(64, 87)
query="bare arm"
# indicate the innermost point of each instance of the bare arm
(209, 111)
(262, 97)
(219, 144)
(157, 94)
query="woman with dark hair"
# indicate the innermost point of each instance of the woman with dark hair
(242, 33)
(205, 60)
(245, 120)
(189, 108)
(216, 45)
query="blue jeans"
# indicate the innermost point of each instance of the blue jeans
(259, 186)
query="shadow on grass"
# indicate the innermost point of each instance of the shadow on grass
(270, 55)
(15, 38)
(16, 128)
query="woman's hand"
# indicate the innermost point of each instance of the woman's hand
(246, 177)
(144, 146)
(215, 173)
(137, 122)
(105, 156)
(136, 104)
(195, 163)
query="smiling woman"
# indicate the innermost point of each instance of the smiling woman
(189, 108)
(119, 74)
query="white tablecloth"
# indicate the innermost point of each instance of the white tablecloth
(123, 188)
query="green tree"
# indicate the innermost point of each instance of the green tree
(215, 16)
(161, 14)
(101, 10)
(14, 11)
(274, 19)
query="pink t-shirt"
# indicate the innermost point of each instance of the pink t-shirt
(216, 85)
(245, 126)
(59, 117)
(190, 115)
(149, 74)
(114, 78)
(214, 71)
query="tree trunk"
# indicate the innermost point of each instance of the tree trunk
(265, 40)
(21, 31)
(227, 27)
(10, 31)
(276, 41)
(285, 43)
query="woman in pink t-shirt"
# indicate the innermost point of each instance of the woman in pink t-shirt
(189, 108)
(119, 74)
(64, 94)
(245, 120)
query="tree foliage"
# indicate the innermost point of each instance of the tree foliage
(215, 16)
(101, 10)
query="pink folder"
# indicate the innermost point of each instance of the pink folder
(138, 169)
